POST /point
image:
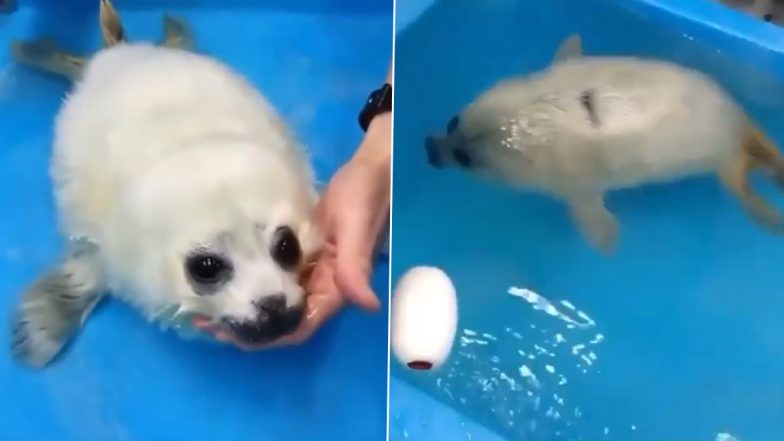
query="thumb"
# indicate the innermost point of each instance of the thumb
(352, 281)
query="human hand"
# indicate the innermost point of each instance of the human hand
(352, 214)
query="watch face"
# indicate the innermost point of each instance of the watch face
(373, 97)
(379, 101)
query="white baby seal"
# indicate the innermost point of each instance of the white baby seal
(183, 194)
(424, 318)
(589, 124)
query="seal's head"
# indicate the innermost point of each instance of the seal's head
(495, 137)
(218, 232)
(509, 131)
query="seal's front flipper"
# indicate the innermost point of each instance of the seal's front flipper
(44, 54)
(595, 222)
(177, 34)
(111, 26)
(54, 307)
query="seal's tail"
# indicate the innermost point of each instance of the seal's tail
(54, 308)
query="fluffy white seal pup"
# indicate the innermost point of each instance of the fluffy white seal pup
(589, 124)
(183, 194)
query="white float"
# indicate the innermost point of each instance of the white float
(424, 318)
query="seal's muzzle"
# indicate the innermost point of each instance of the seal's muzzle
(273, 320)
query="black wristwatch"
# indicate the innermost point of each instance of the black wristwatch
(379, 101)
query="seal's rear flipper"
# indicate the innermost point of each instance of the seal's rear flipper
(765, 153)
(759, 153)
(177, 34)
(53, 309)
(735, 177)
(44, 54)
(111, 26)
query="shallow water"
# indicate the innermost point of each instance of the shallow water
(678, 336)
(123, 379)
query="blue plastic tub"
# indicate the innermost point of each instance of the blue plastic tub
(125, 380)
(679, 335)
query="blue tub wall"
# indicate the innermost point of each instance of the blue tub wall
(331, 6)
(689, 306)
(125, 380)
(408, 11)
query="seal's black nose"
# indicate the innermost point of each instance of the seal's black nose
(431, 147)
(273, 320)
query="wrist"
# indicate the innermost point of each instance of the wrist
(375, 119)
(375, 148)
(380, 130)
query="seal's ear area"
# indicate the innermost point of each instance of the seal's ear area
(571, 47)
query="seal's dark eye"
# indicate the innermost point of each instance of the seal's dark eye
(451, 126)
(767, 17)
(461, 157)
(285, 248)
(207, 268)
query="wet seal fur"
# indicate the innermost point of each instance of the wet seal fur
(183, 194)
(589, 124)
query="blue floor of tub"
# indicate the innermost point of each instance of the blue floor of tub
(419, 417)
(685, 338)
(125, 380)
